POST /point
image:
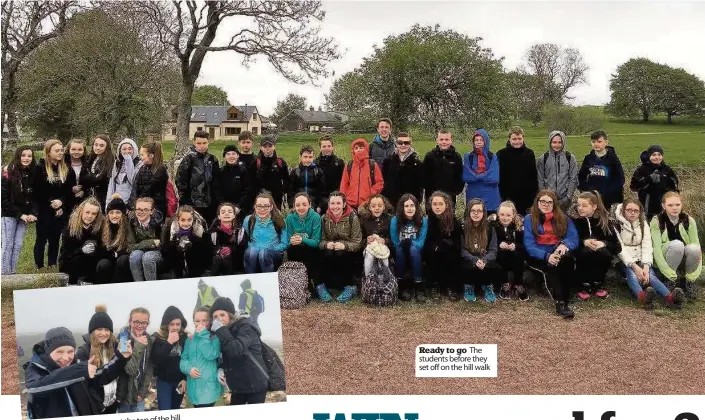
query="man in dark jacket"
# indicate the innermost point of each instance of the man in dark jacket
(602, 171)
(402, 172)
(270, 172)
(382, 146)
(232, 185)
(652, 179)
(518, 179)
(332, 167)
(194, 178)
(307, 177)
(443, 168)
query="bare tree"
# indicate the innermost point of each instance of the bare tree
(559, 69)
(25, 26)
(282, 31)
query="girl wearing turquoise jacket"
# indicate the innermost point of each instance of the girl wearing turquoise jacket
(199, 361)
(408, 233)
(304, 229)
(268, 236)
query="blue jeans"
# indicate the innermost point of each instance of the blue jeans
(127, 408)
(636, 287)
(13, 232)
(268, 260)
(144, 264)
(400, 267)
(167, 397)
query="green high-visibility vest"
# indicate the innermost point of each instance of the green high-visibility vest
(206, 296)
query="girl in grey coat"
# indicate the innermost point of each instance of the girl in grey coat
(127, 164)
(558, 170)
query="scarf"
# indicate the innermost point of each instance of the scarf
(227, 229)
(335, 218)
(184, 232)
(481, 164)
(547, 237)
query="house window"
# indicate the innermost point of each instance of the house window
(254, 130)
(232, 115)
(199, 128)
(232, 131)
(173, 131)
(174, 115)
(254, 117)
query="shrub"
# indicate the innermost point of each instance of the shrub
(574, 120)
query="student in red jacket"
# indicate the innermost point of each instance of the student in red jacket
(362, 177)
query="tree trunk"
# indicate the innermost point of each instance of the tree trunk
(670, 117)
(9, 104)
(645, 115)
(182, 123)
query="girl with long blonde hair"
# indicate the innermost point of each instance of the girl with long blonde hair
(509, 228)
(81, 242)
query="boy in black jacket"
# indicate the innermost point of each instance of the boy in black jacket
(232, 185)
(270, 172)
(245, 141)
(443, 168)
(194, 178)
(402, 172)
(332, 167)
(652, 179)
(307, 177)
(602, 171)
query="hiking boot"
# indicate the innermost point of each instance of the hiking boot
(452, 296)
(564, 310)
(435, 295)
(469, 293)
(488, 291)
(690, 290)
(323, 293)
(649, 296)
(506, 291)
(602, 293)
(675, 299)
(521, 293)
(348, 293)
(406, 293)
(420, 292)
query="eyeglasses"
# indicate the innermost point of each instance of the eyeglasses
(143, 210)
(546, 202)
(403, 143)
(140, 323)
(632, 211)
(476, 211)
(263, 206)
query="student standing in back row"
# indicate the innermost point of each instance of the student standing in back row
(126, 166)
(443, 169)
(195, 176)
(270, 172)
(307, 177)
(100, 164)
(246, 141)
(151, 180)
(558, 170)
(481, 172)
(332, 167)
(518, 180)
(402, 172)
(602, 171)
(362, 177)
(652, 179)
(232, 185)
(383, 144)
(18, 205)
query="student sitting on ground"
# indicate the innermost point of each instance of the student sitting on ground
(443, 245)
(375, 218)
(195, 177)
(145, 254)
(509, 227)
(232, 185)
(127, 164)
(602, 171)
(652, 179)
(185, 247)
(479, 253)
(57, 384)
(100, 165)
(481, 172)
(118, 240)
(268, 236)
(443, 169)
(81, 243)
(304, 230)
(228, 240)
(550, 238)
(362, 177)
(269, 172)
(408, 233)
(402, 171)
(199, 361)
(151, 180)
(518, 180)
(307, 177)
(332, 167)
(167, 349)
(598, 245)
(341, 240)
(637, 262)
(677, 250)
(558, 170)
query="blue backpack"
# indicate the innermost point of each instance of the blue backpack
(257, 303)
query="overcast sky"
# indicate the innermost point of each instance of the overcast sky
(607, 34)
(72, 307)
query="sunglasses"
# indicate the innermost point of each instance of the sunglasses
(403, 143)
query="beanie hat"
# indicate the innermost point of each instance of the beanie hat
(230, 148)
(654, 148)
(116, 203)
(268, 140)
(246, 284)
(172, 313)
(58, 337)
(100, 319)
(223, 304)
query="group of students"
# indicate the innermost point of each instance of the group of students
(343, 215)
(103, 376)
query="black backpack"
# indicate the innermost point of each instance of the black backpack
(372, 170)
(274, 372)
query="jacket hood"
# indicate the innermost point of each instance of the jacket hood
(553, 134)
(135, 150)
(482, 132)
(365, 154)
(86, 338)
(610, 153)
(621, 219)
(346, 213)
(172, 313)
(386, 144)
(41, 357)
(199, 226)
(244, 320)
(410, 155)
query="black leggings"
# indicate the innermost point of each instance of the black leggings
(338, 269)
(306, 255)
(490, 275)
(110, 270)
(252, 398)
(591, 267)
(222, 266)
(511, 262)
(442, 269)
(49, 229)
(80, 266)
(557, 278)
(192, 261)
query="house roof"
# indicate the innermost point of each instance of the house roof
(214, 115)
(316, 116)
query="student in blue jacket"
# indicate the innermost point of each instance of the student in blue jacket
(550, 238)
(408, 233)
(602, 171)
(481, 172)
(268, 236)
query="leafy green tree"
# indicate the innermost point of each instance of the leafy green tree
(286, 106)
(209, 95)
(635, 88)
(681, 93)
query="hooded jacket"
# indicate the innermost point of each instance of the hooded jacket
(166, 357)
(18, 199)
(379, 226)
(238, 339)
(136, 379)
(332, 167)
(346, 230)
(603, 174)
(264, 234)
(151, 184)
(558, 171)
(200, 249)
(45, 191)
(688, 231)
(518, 180)
(194, 179)
(589, 228)
(484, 186)
(635, 239)
(54, 391)
(109, 372)
(308, 227)
(650, 193)
(123, 174)
(356, 184)
(309, 179)
(202, 351)
(232, 185)
(379, 150)
(542, 252)
(402, 175)
(443, 171)
(270, 174)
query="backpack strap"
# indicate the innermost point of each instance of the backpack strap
(261, 369)
(372, 171)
